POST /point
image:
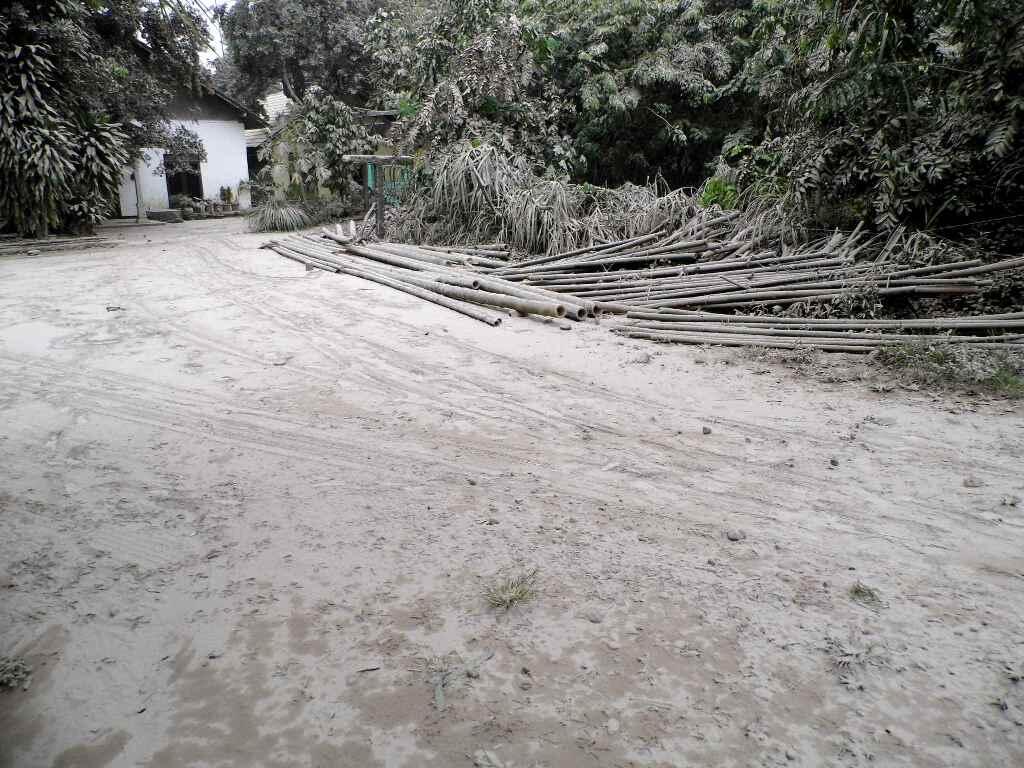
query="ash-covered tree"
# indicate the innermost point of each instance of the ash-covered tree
(647, 80)
(297, 44)
(602, 90)
(898, 112)
(84, 86)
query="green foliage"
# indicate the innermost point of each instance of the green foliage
(647, 83)
(719, 192)
(59, 167)
(602, 90)
(956, 365)
(902, 112)
(277, 216)
(296, 44)
(896, 113)
(329, 210)
(83, 87)
(319, 132)
(183, 152)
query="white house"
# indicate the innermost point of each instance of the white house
(220, 124)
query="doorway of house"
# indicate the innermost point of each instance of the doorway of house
(185, 181)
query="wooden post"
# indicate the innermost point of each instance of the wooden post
(366, 187)
(140, 214)
(378, 183)
(379, 163)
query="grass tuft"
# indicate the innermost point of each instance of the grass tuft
(512, 590)
(278, 216)
(13, 672)
(865, 595)
(996, 371)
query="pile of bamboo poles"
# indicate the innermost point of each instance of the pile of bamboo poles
(679, 287)
(830, 335)
(444, 276)
(730, 274)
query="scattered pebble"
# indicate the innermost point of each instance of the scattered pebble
(612, 726)
(834, 461)
(706, 430)
(735, 535)
(594, 617)
(973, 482)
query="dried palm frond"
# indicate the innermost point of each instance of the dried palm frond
(277, 216)
(478, 190)
(544, 217)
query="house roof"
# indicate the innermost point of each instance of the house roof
(248, 118)
(251, 120)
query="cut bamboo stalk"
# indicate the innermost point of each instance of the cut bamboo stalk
(470, 310)
(760, 297)
(1006, 320)
(742, 341)
(787, 332)
(579, 251)
(998, 266)
(682, 251)
(699, 268)
(572, 310)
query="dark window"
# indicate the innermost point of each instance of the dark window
(185, 180)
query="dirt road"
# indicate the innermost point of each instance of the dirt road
(250, 514)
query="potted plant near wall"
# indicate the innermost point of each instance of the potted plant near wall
(184, 204)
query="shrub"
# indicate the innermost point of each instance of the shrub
(719, 192)
(277, 216)
(956, 365)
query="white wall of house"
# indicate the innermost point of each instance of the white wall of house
(226, 163)
(143, 181)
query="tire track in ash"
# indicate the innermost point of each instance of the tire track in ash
(163, 408)
(408, 361)
(491, 389)
(390, 352)
(490, 392)
(575, 383)
(310, 336)
(107, 396)
(399, 383)
(948, 456)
